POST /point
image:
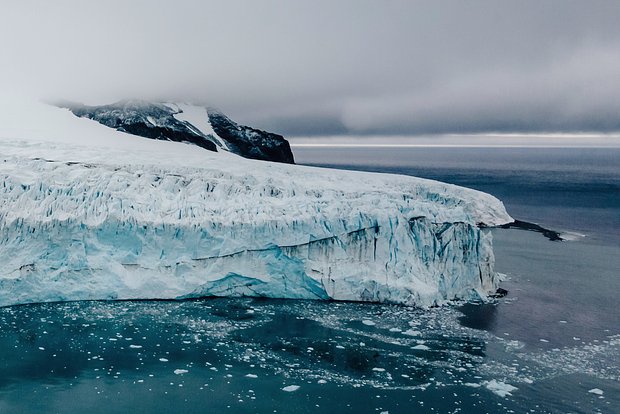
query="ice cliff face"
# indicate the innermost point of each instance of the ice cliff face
(209, 129)
(165, 220)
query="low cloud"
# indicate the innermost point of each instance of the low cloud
(331, 68)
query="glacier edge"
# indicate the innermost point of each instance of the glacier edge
(87, 212)
(106, 230)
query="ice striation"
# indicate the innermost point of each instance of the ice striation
(112, 219)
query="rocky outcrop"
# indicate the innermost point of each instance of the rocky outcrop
(164, 121)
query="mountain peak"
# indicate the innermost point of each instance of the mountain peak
(208, 128)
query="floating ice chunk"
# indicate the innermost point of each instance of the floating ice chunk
(135, 346)
(163, 359)
(180, 371)
(291, 388)
(368, 322)
(251, 375)
(500, 388)
(411, 332)
(421, 347)
(596, 391)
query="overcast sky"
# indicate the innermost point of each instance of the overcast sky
(330, 67)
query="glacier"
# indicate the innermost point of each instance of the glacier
(90, 213)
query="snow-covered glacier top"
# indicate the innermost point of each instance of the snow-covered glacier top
(87, 212)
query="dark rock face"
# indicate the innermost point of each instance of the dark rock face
(249, 142)
(145, 119)
(524, 225)
(157, 121)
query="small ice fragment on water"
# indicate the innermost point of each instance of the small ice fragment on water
(368, 322)
(411, 332)
(290, 388)
(500, 388)
(563, 322)
(395, 330)
(41, 348)
(471, 384)
(421, 347)
(251, 375)
(543, 340)
(339, 346)
(135, 346)
(596, 391)
(322, 381)
(379, 369)
(180, 371)
(528, 380)
(163, 359)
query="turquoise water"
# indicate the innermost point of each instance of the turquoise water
(549, 346)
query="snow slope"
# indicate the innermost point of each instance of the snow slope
(198, 117)
(87, 212)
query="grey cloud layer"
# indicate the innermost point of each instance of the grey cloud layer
(327, 67)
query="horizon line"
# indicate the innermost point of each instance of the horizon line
(342, 145)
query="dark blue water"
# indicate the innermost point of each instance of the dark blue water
(565, 188)
(551, 345)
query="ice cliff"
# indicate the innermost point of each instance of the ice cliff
(86, 213)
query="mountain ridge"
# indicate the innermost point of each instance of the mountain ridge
(206, 127)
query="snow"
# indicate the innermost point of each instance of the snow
(199, 118)
(87, 212)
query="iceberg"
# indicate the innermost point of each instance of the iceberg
(91, 213)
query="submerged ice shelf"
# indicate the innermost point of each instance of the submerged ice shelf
(105, 219)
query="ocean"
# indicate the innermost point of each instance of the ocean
(551, 345)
